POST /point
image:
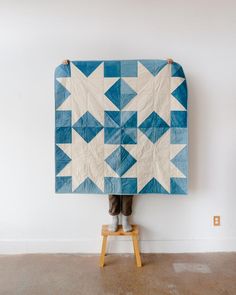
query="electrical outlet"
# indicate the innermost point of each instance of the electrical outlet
(216, 220)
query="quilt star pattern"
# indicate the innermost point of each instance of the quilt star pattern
(121, 127)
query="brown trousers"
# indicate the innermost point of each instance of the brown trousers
(120, 204)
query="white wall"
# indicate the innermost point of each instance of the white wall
(35, 36)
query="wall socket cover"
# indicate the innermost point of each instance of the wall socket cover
(216, 220)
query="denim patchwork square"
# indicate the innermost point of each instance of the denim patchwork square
(63, 135)
(120, 127)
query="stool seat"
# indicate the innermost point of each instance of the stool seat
(134, 234)
(119, 232)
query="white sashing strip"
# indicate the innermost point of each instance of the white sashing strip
(191, 267)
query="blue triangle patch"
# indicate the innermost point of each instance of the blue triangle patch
(178, 186)
(129, 119)
(128, 137)
(154, 66)
(61, 159)
(64, 184)
(87, 133)
(87, 120)
(181, 93)
(153, 120)
(177, 70)
(112, 118)
(87, 67)
(154, 133)
(112, 135)
(126, 93)
(88, 186)
(61, 94)
(153, 187)
(62, 71)
(180, 161)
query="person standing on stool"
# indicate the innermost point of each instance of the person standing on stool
(120, 204)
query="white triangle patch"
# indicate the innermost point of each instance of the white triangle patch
(176, 105)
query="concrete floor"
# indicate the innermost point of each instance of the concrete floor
(73, 274)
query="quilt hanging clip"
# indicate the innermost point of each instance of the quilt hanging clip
(65, 62)
(170, 61)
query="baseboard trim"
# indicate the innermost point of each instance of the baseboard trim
(117, 246)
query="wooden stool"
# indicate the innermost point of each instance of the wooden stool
(134, 234)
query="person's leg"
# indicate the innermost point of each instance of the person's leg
(114, 211)
(126, 210)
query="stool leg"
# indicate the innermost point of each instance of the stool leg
(103, 252)
(136, 251)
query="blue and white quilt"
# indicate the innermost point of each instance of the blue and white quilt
(121, 127)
